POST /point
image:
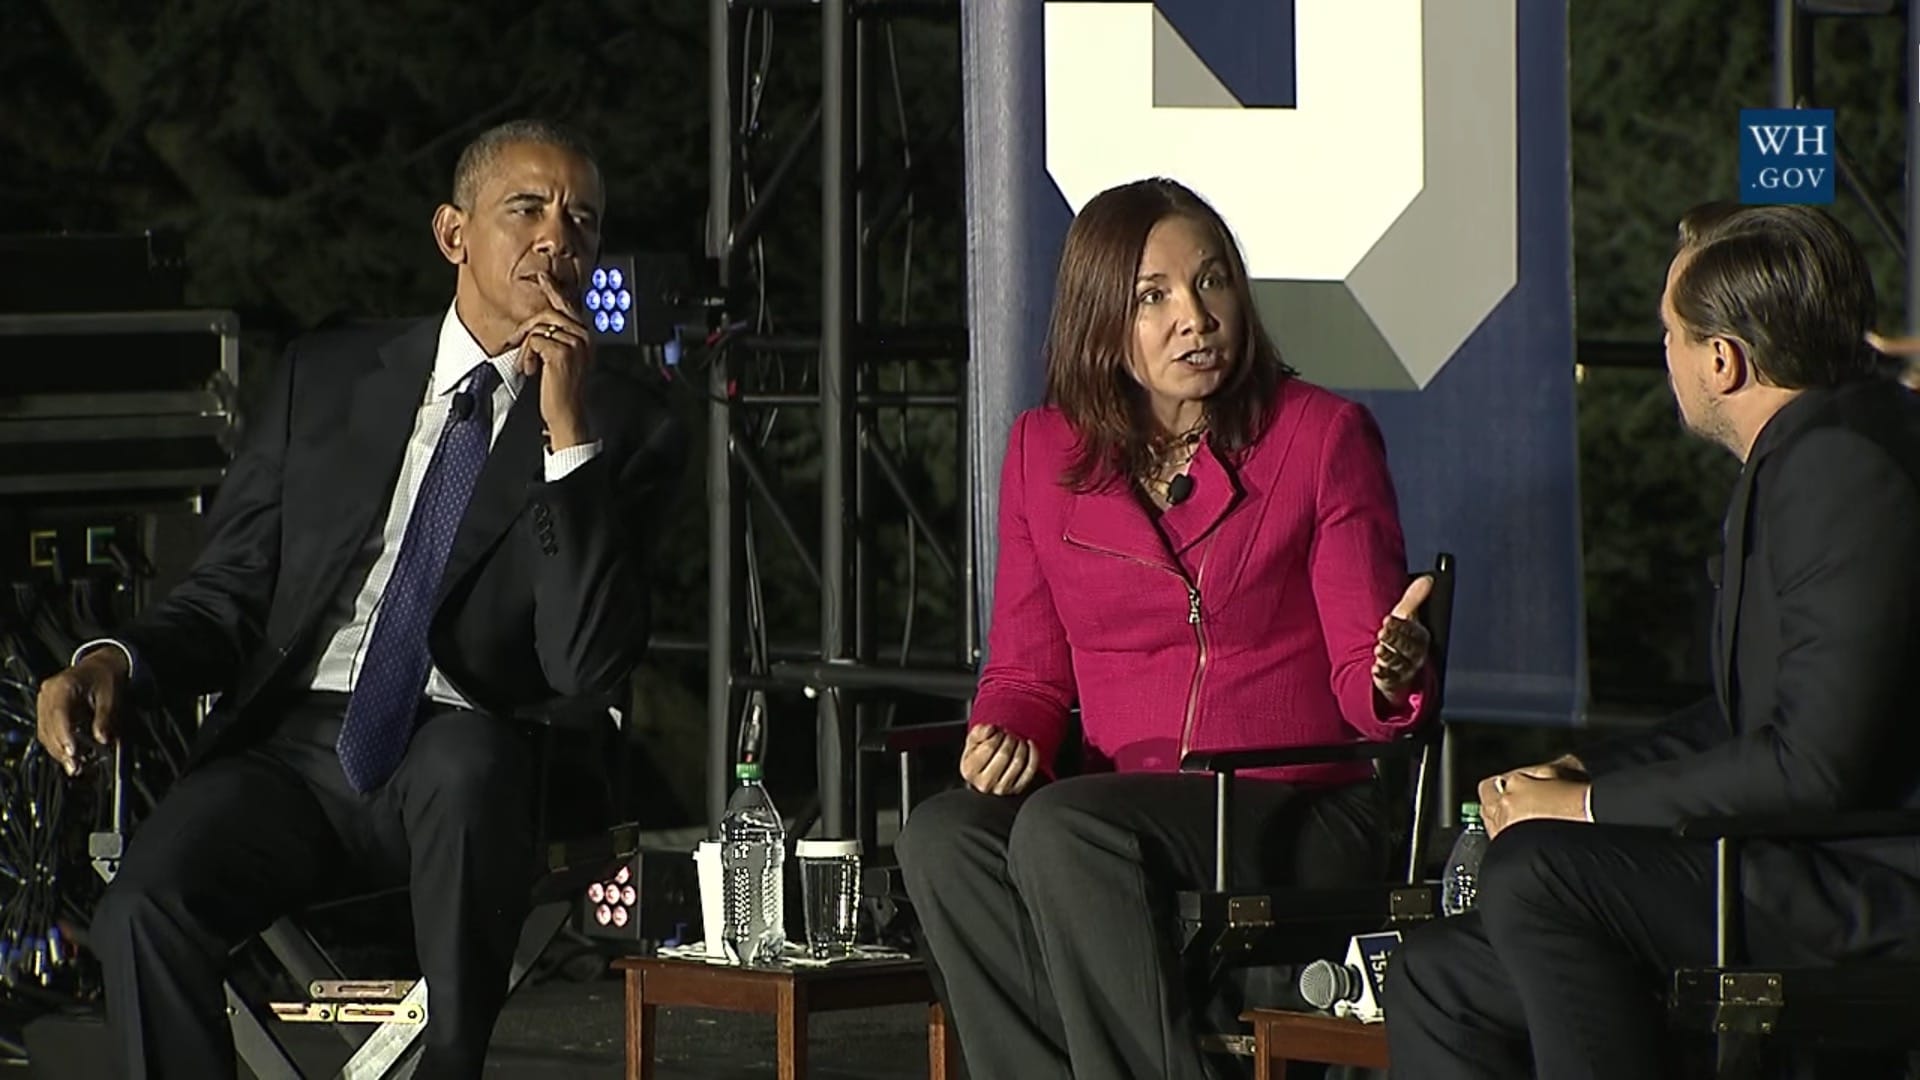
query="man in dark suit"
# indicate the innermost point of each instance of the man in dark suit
(396, 564)
(1558, 971)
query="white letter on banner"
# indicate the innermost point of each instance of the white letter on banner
(1378, 216)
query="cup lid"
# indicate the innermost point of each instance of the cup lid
(826, 849)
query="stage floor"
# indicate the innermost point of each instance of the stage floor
(566, 1030)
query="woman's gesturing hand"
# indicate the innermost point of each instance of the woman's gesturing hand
(1400, 650)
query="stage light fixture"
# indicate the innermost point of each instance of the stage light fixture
(613, 899)
(644, 298)
(609, 296)
(653, 896)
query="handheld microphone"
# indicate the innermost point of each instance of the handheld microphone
(1324, 982)
(1354, 988)
(462, 405)
(1179, 489)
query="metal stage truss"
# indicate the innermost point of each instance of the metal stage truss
(861, 476)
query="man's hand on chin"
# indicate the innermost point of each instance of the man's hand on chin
(555, 345)
(1513, 797)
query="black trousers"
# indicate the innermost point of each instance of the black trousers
(1560, 971)
(248, 837)
(1049, 917)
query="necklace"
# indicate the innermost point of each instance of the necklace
(1170, 457)
(1189, 436)
(1177, 450)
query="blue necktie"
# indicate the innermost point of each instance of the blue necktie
(386, 696)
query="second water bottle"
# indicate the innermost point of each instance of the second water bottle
(1460, 880)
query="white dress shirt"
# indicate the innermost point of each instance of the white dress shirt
(347, 623)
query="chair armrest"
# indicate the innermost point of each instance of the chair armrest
(934, 682)
(1267, 757)
(907, 738)
(1852, 826)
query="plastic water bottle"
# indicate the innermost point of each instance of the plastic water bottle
(1459, 884)
(753, 845)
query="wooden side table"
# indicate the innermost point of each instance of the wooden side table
(1280, 1037)
(789, 994)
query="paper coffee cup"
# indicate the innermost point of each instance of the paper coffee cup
(706, 860)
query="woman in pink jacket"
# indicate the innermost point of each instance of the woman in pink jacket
(1200, 551)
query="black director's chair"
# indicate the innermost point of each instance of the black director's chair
(1238, 938)
(1242, 940)
(1758, 1015)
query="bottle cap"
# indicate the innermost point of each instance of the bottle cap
(747, 770)
(1470, 811)
(827, 849)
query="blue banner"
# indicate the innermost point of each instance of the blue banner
(1397, 174)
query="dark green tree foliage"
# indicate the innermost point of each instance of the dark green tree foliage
(301, 146)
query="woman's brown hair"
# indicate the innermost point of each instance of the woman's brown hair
(1089, 339)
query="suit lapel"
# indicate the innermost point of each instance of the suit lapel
(1732, 575)
(1111, 520)
(1214, 493)
(500, 493)
(1785, 425)
(385, 402)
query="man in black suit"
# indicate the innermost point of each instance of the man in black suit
(1557, 973)
(396, 564)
